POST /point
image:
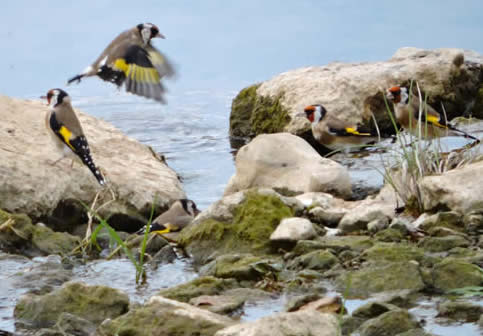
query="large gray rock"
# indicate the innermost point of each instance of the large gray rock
(161, 316)
(353, 92)
(306, 322)
(136, 175)
(458, 189)
(286, 162)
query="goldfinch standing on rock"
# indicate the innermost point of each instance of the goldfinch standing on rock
(66, 131)
(130, 59)
(334, 133)
(177, 217)
(407, 115)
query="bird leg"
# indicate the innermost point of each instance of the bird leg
(75, 78)
(53, 163)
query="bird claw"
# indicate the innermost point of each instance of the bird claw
(75, 78)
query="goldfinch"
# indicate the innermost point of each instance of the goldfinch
(130, 59)
(407, 115)
(177, 217)
(66, 131)
(334, 133)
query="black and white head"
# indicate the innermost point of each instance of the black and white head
(315, 113)
(190, 207)
(398, 95)
(149, 31)
(56, 97)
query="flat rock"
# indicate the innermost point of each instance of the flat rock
(365, 212)
(137, 176)
(286, 162)
(294, 229)
(287, 324)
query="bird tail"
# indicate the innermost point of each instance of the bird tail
(87, 160)
(463, 133)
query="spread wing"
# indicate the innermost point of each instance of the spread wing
(142, 70)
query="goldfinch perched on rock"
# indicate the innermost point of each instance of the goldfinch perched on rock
(407, 115)
(177, 217)
(66, 131)
(130, 59)
(334, 133)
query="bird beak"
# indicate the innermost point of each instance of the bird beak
(160, 36)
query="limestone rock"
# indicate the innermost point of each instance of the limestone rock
(161, 316)
(353, 92)
(293, 229)
(286, 324)
(286, 162)
(136, 174)
(93, 303)
(220, 304)
(365, 212)
(458, 189)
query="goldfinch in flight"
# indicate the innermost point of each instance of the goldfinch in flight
(66, 131)
(334, 133)
(177, 217)
(130, 59)
(407, 115)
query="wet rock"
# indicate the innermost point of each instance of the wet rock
(349, 324)
(164, 256)
(73, 325)
(455, 273)
(285, 324)
(293, 229)
(473, 222)
(441, 244)
(381, 278)
(392, 252)
(219, 304)
(401, 225)
(239, 266)
(416, 332)
(390, 323)
(373, 309)
(448, 219)
(441, 231)
(328, 304)
(367, 211)
(254, 220)
(296, 302)
(321, 260)
(161, 316)
(334, 243)
(51, 242)
(461, 311)
(453, 189)
(389, 235)
(93, 303)
(46, 274)
(277, 160)
(137, 176)
(377, 225)
(204, 285)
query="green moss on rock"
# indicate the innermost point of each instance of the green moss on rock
(254, 221)
(455, 273)
(388, 324)
(206, 285)
(392, 252)
(50, 242)
(252, 114)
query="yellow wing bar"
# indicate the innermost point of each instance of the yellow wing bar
(354, 131)
(136, 72)
(66, 134)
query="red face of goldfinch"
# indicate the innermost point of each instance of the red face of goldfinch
(315, 113)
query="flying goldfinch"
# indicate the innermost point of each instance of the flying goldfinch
(177, 217)
(407, 115)
(66, 131)
(334, 133)
(130, 59)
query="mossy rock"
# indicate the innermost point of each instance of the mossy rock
(461, 311)
(455, 273)
(254, 221)
(320, 260)
(389, 324)
(93, 303)
(373, 309)
(477, 110)
(380, 278)
(252, 114)
(16, 230)
(240, 267)
(161, 316)
(442, 244)
(50, 242)
(205, 285)
(392, 252)
(389, 235)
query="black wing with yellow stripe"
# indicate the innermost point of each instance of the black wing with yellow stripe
(141, 71)
(78, 144)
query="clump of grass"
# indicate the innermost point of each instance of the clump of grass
(138, 263)
(414, 158)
